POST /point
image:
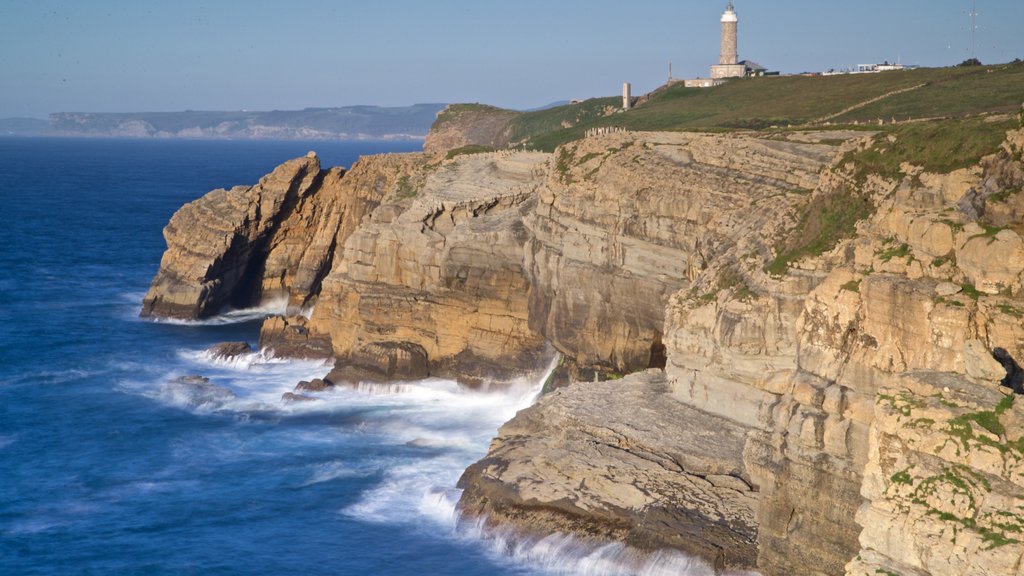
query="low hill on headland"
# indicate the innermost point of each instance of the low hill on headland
(755, 103)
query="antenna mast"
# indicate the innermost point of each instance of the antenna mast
(974, 23)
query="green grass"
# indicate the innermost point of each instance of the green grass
(785, 101)
(937, 146)
(547, 129)
(827, 219)
(405, 189)
(971, 292)
(459, 112)
(902, 478)
(852, 286)
(1010, 311)
(951, 92)
(887, 254)
(730, 279)
(471, 149)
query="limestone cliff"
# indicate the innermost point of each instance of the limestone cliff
(853, 400)
(818, 391)
(442, 271)
(625, 220)
(276, 239)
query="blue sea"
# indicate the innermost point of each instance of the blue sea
(108, 468)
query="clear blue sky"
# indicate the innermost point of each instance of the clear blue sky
(145, 55)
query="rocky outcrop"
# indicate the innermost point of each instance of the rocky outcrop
(275, 240)
(626, 220)
(625, 224)
(857, 393)
(460, 125)
(818, 392)
(219, 245)
(229, 350)
(621, 460)
(442, 271)
(944, 484)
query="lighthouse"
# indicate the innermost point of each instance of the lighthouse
(729, 65)
(729, 55)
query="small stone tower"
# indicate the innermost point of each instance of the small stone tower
(627, 96)
(729, 21)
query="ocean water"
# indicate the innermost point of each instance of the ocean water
(108, 468)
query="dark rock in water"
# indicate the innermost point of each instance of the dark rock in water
(382, 362)
(290, 397)
(393, 360)
(197, 391)
(290, 337)
(227, 350)
(317, 385)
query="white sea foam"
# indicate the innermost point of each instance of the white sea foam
(327, 471)
(237, 362)
(234, 316)
(563, 554)
(6, 441)
(445, 428)
(247, 383)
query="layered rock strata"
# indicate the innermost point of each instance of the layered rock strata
(658, 475)
(844, 414)
(274, 240)
(857, 394)
(442, 271)
(624, 221)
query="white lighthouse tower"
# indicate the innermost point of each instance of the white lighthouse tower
(728, 62)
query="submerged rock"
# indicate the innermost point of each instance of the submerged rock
(290, 337)
(291, 397)
(228, 350)
(316, 385)
(197, 392)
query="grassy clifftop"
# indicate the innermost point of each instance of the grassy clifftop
(757, 103)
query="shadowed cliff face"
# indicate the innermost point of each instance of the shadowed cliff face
(223, 248)
(844, 414)
(272, 241)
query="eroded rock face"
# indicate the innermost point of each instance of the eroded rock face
(621, 460)
(944, 485)
(229, 350)
(859, 391)
(465, 125)
(626, 220)
(272, 241)
(443, 271)
(218, 245)
(846, 414)
(627, 225)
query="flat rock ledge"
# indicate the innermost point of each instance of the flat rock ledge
(620, 460)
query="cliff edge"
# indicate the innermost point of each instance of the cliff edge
(790, 351)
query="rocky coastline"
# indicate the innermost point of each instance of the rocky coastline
(842, 413)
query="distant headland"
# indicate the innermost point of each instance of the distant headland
(343, 123)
